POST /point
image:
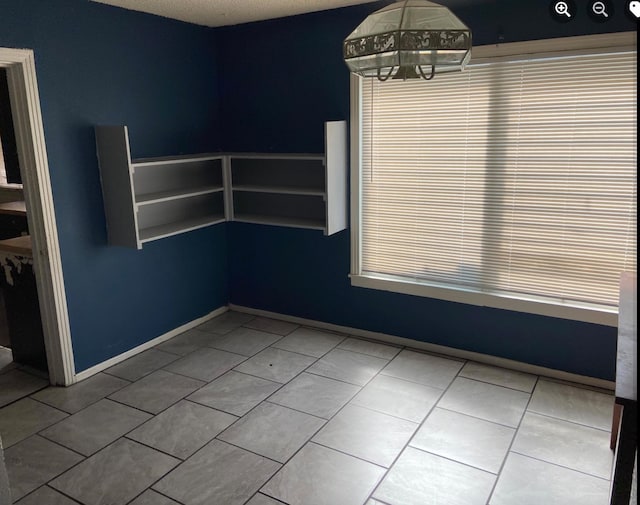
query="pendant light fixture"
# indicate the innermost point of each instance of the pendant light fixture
(409, 39)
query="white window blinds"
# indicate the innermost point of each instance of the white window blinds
(515, 178)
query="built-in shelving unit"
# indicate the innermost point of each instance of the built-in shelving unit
(298, 190)
(152, 198)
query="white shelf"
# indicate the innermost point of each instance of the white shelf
(152, 198)
(284, 190)
(172, 160)
(281, 221)
(170, 229)
(299, 190)
(165, 196)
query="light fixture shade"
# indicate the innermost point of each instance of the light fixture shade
(408, 39)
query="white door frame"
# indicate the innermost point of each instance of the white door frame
(34, 169)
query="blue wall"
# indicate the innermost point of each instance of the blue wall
(280, 80)
(266, 86)
(103, 65)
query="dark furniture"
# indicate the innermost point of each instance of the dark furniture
(18, 284)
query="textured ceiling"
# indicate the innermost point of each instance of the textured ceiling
(228, 12)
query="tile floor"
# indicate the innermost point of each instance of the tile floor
(245, 410)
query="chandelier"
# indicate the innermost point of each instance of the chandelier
(409, 39)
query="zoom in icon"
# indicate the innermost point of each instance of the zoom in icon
(563, 11)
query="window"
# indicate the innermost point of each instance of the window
(512, 184)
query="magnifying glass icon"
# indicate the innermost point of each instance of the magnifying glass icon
(599, 9)
(563, 9)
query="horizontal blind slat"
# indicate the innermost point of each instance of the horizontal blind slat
(516, 177)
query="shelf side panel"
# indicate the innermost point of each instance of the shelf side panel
(336, 174)
(114, 161)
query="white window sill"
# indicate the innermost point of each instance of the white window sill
(531, 305)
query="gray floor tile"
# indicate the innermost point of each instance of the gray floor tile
(114, 475)
(273, 431)
(6, 360)
(465, 439)
(205, 364)
(187, 342)
(245, 341)
(397, 397)
(35, 461)
(366, 434)
(150, 497)
(275, 365)
(16, 384)
(225, 323)
(141, 364)
(95, 427)
(486, 401)
(263, 499)
(566, 444)
(46, 496)
(74, 398)
(572, 404)
(527, 481)
(348, 366)
(371, 348)
(271, 325)
(423, 368)
(235, 392)
(314, 343)
(25, 418)
(320, 476)
(315, 395)
(217, 473)
(182, 429)
(499, 376)
(157, 391)
(420, 478)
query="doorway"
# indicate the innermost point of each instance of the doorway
(19, 65)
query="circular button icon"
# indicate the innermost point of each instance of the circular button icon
(562, 11)
(600, 11)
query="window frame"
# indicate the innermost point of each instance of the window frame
(588, 44)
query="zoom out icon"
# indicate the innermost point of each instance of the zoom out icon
(600, 11)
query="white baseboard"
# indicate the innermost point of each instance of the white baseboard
(85, 374)
(438, 349)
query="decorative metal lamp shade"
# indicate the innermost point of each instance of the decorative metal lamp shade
(406, 40)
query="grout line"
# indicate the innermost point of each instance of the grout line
(53, 489)
(513, 439)
(480, 418)
(542, 414)
(560, 466)
(420, 425)
(341, 451)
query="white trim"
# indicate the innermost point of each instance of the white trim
(532, 305)
(356, 155)
(85, 374)
(437, 349)
(27, 117)
(550, 47)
